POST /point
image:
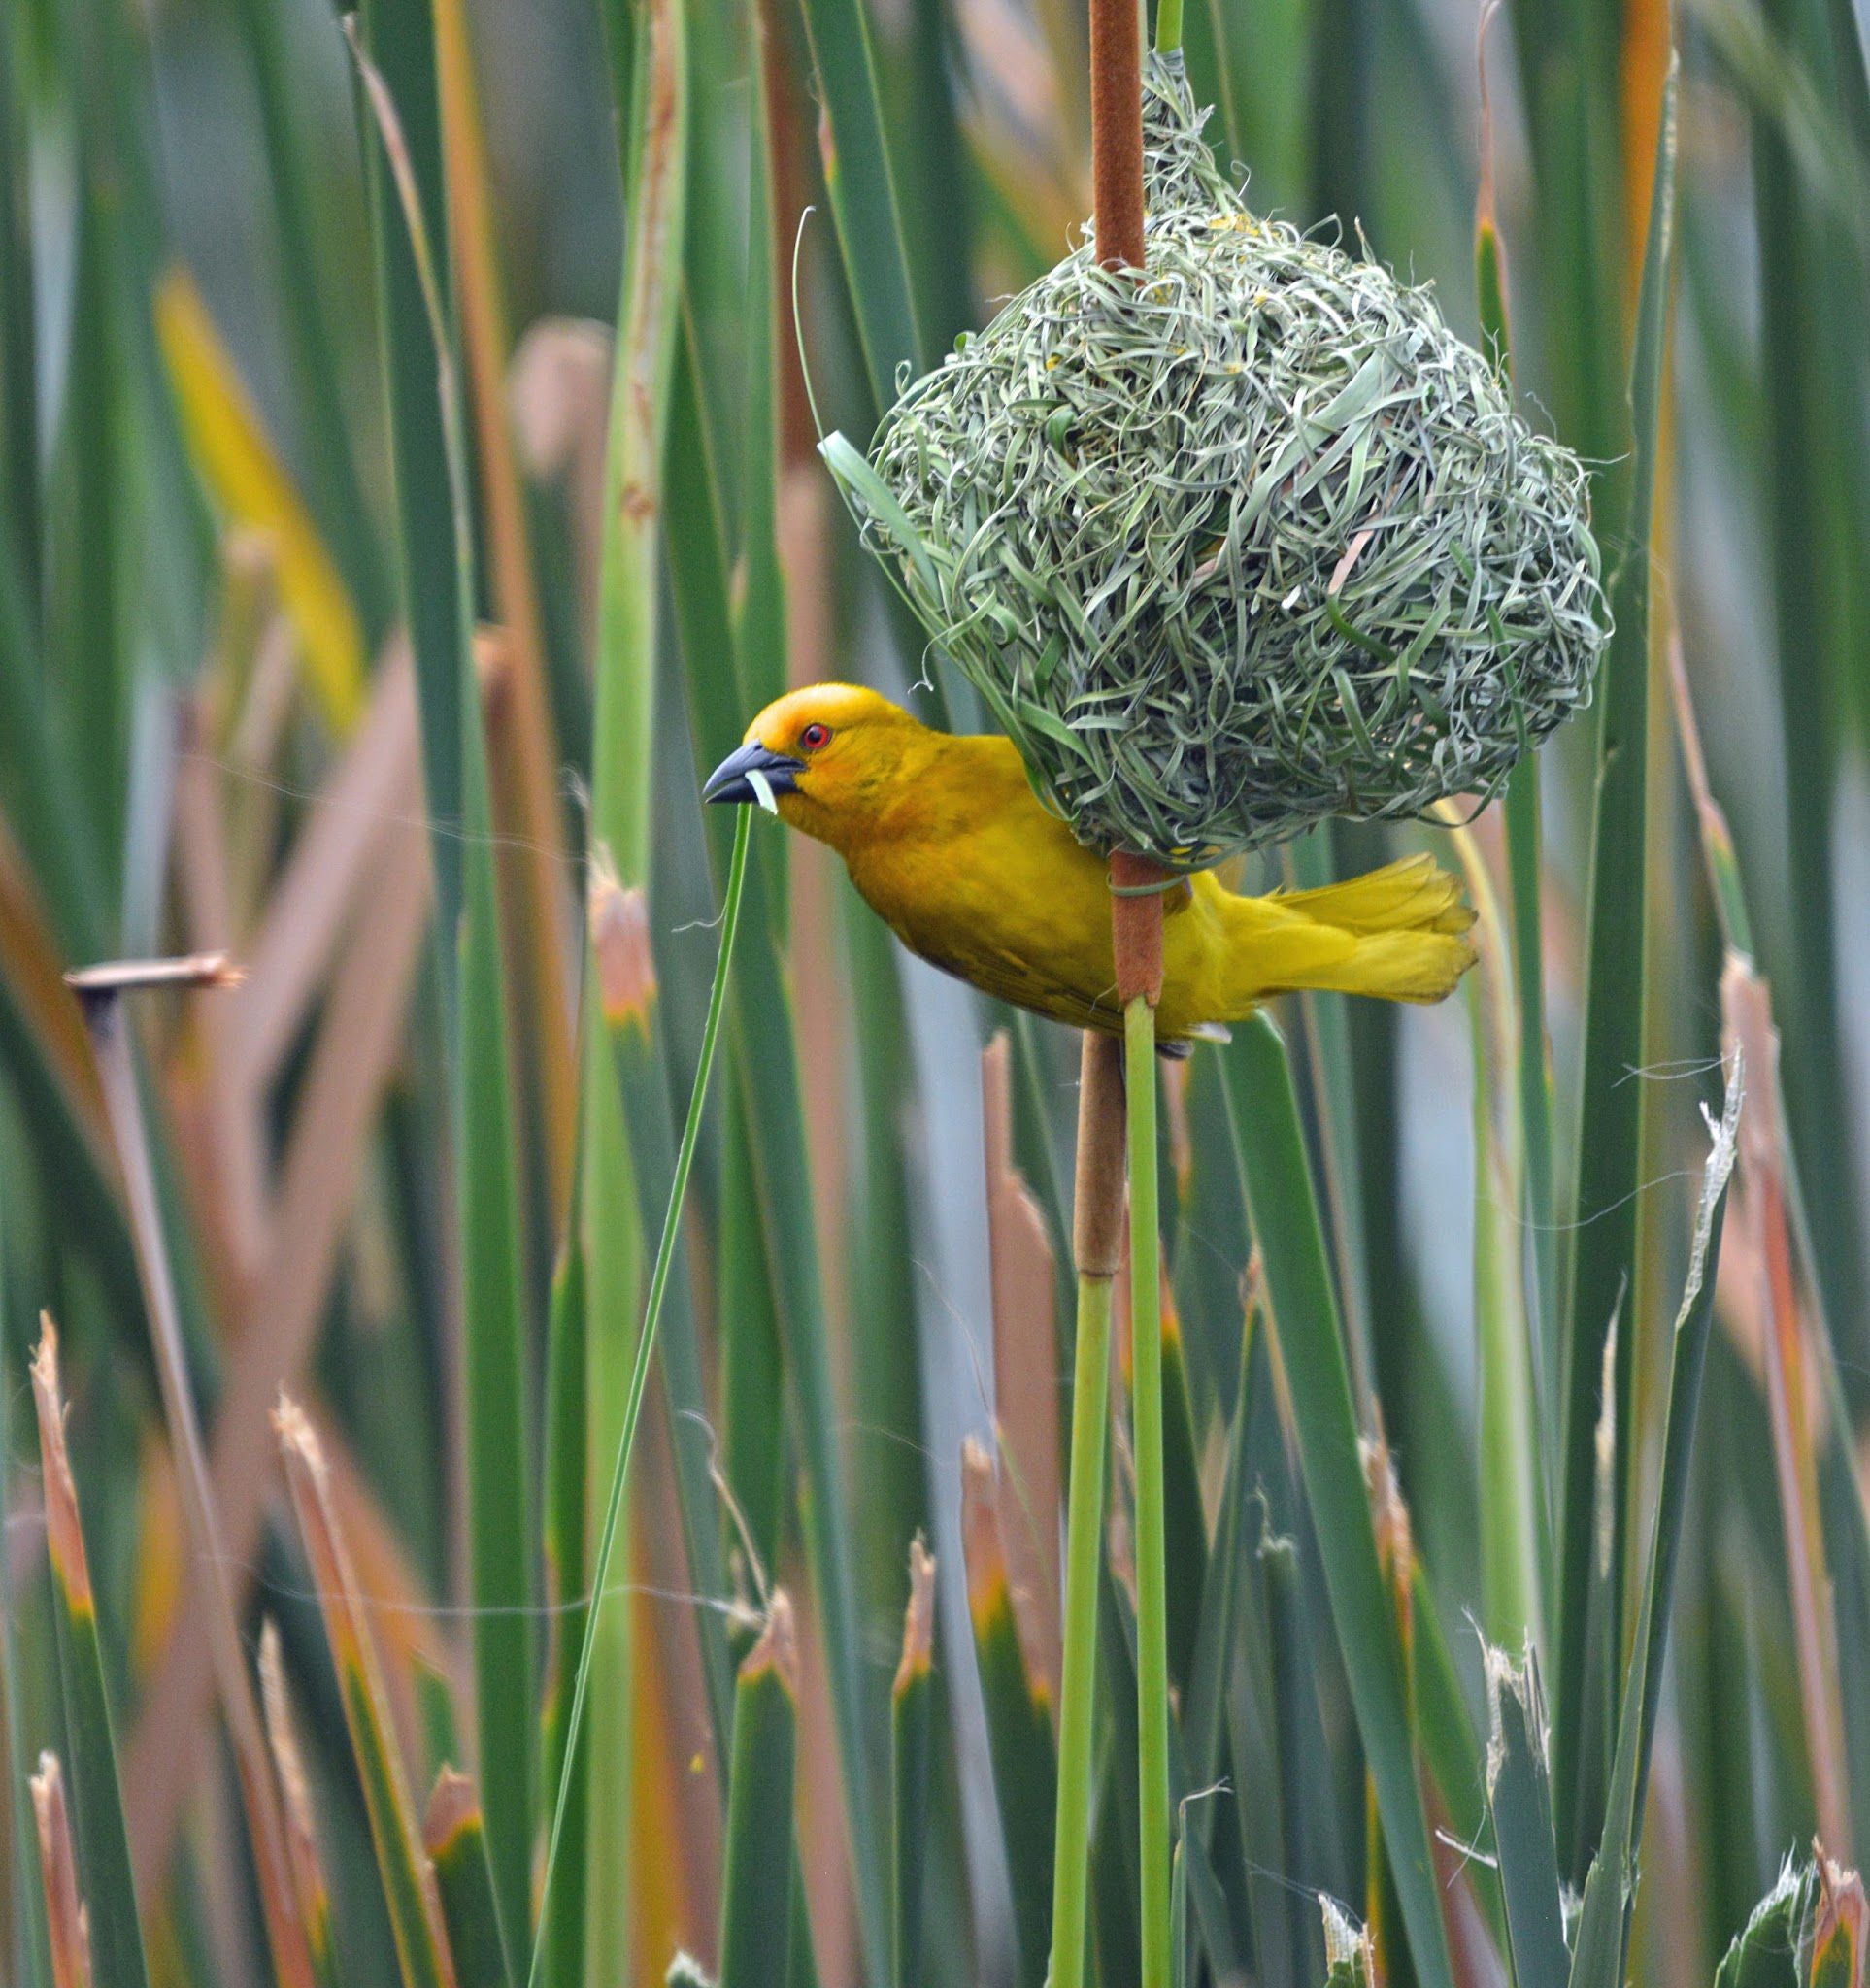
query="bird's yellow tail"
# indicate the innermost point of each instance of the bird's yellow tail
(1397, 933)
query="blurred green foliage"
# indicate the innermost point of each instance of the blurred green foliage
(357, 623)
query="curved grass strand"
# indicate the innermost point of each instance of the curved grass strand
(639, 1371)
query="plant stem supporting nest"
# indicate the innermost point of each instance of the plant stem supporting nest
(1136, 944)
(1136, 933)
(1146, 1411)
(1117, 133)
(1098, 1245)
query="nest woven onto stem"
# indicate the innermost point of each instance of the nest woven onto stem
(1249, 541)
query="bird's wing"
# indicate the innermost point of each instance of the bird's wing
(1006, 976)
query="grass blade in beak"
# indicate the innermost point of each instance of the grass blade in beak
(763, 789)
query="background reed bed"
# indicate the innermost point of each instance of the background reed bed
(409, 487)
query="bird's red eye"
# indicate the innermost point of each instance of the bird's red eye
(814, 736)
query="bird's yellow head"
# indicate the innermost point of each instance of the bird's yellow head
(827, 759)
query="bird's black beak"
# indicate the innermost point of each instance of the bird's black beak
(740, 775)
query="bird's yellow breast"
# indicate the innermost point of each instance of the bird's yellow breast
(974, 875)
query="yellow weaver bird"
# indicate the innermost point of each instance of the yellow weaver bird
(947, 843)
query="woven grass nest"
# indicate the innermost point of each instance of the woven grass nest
(1250, 543)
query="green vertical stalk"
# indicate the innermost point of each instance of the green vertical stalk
(1611, 1106)
(721, 685)
(941, 233)
(623, 737)
(1018, 1722)
(1078, 1683)
(18, 357)
(1219, 1627)
(1338, 1072)
(1096, 1247)
(1524, 841)
(1152, 1568)
(629, 1015)
(1847, 1516)
(1515, 1549)
(886, 1367)
(1568, 73)
(499, 1483)
(1536, 1186)
(566, 1502)
(1350, 1061)
(1520, 1802)
(331, 467)
(1510, 1449)
(1569, 86)
(861, 183)
(44, 806)
(1803, 466)
(1451, 1748)
(92, 699)
(1185, 1522)
(455, 1836)
(1600, 1950)
(1119, 1943)
(1311, 1336)
(754, 1440)
(602, 1760)
(401, 43)
(499, 1477)
(756, 1886)
(765, 1056)
(623, 752)
(1342, 34)
(1097, 1243)
(639, 1376)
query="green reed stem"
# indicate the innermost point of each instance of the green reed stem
(1077, 1685)
(1151, 1566)
(1168, 27)
(639, 1371)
